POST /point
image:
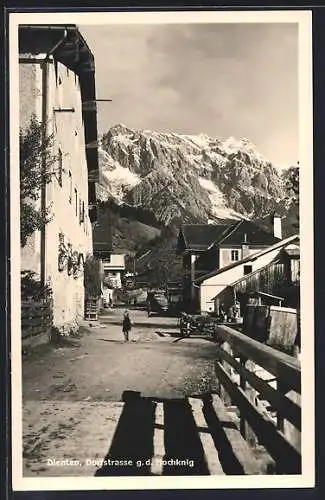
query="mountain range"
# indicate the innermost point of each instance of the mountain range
(151, 182)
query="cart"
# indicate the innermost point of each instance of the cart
(197, 325)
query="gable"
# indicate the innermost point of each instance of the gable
(199, 237)
(251, 233)
(181, 245)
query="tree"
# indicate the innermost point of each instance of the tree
(93, 276)
(36, 170)
(292, 188)
(292, 183)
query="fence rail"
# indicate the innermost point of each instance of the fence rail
(36, 318)
(240, 356)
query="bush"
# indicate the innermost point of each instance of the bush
(93, 277)
(32, 288)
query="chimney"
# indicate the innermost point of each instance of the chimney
(245, 247)
(277, 225)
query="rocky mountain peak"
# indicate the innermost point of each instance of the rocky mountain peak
(189, 178)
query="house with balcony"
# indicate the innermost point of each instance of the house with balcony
(271, 275)
(212, 247)
(57, 86)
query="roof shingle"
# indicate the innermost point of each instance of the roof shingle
(251, 233)
(201, 236)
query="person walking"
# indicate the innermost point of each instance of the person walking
(126, 326)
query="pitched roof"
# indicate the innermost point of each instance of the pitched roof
(201, 236)
(248, 231)
(250, 258)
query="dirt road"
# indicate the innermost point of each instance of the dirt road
(73, 393)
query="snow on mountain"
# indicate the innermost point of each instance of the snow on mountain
(218, 202)
(232, 145)
(117, 180)
(187, 177)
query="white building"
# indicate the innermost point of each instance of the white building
(113, 268)
(57, 84)
(211, 285)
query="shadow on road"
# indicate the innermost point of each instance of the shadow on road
(200, 337)
(139, 324)
(113, 341)
(167, 333)
(133, 440)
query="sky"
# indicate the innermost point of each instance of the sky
(222, 80)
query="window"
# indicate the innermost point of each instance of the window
(56, 71)
(234, 255)
(70, 187)
(248, 269)
(81, 212)
(76, 200)
(295, 271)
(60, 167)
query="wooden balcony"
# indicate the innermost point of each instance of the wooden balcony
(277, 279)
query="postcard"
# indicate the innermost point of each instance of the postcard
(161, 200)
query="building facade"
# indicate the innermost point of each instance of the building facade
(222, 286)
(57, 85)
(113, 269)
(210, 247)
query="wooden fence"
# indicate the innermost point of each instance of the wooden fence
(276, 326)
(238, 357)
(36, 318)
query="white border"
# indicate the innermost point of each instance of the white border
(307, 478)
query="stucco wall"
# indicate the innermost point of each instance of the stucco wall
(30, 89)
(64, 92)
(117, 261)
(225, 254)
(216, 284)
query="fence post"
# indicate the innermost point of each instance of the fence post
(224, 395)
(251, 394)
(242, 382)
(280, 387)
(218, 384)
(291, 433)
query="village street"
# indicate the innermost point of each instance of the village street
(73, 393)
